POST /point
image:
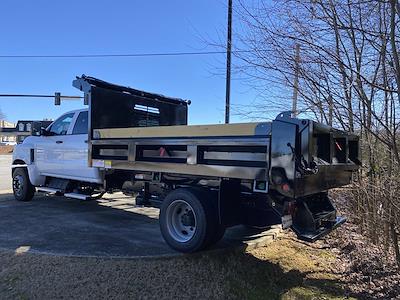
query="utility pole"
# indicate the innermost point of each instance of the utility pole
(296, 81)
(228, 64)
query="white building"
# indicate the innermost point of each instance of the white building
(7, 138)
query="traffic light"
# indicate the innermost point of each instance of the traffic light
(57, 98)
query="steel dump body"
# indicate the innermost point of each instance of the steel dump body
(155, 138)
(146, 136)
(241, 151)
(191, 150)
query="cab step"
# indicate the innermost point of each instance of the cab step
(53, 191)
(49, 190)
(78, 196)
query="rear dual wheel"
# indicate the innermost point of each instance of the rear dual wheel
(189, 220)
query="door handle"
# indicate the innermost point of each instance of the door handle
(59, 142)
(86, 141)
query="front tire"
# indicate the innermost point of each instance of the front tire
(22, 188)
(188, 220)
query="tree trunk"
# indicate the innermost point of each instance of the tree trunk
(395, 237)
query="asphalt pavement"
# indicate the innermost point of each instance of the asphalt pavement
(5, 172)
(113, 226)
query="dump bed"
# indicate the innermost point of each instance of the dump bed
(135, 130)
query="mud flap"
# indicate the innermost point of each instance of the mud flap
(229, 203)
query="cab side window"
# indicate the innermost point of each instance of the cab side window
(61, 125)
(81, 124)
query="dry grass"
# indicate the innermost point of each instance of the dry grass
(286, 269)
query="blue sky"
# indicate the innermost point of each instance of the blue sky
(95, 27)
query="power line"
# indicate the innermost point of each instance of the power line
(57, 97)
(127, 54)
(39, 96)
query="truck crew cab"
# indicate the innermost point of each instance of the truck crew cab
(207, 177)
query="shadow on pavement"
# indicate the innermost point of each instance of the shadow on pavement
(62, 226)
(112, 226)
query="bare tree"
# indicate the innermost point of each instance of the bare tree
(348, 76)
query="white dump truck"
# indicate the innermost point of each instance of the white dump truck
(204, 178)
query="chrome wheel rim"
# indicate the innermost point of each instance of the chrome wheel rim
(181, 221)
(18, 184)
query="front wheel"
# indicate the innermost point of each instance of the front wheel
(188, 220)
(22, 188)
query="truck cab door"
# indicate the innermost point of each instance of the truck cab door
(76, 152)
(50, 148)
(64, 153)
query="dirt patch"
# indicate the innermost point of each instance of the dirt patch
(6, 149)
(286, 269)
(367, 271)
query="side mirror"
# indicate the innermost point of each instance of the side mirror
(44, 132)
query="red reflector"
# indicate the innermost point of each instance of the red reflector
(338, 146)
(285, 187)
(162, 151)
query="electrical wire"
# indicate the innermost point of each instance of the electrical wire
(39, 96)
(126, 55)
